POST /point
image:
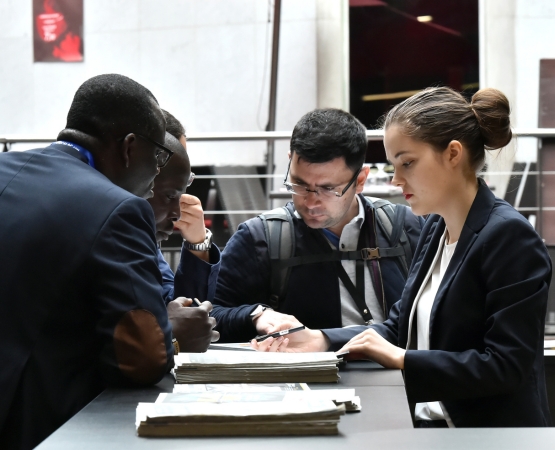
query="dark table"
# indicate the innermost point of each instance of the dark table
(108, 422)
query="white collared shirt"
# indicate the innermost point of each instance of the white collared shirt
(422, 309)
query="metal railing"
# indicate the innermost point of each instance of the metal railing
(373, 135)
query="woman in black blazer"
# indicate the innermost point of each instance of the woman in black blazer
(468, 330)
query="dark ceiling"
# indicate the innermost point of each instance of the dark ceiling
(391, 51)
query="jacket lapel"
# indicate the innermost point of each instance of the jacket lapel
(417, 276)
(477, 218)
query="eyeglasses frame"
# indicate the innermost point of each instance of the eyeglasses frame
(315, 191)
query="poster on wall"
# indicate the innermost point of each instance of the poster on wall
(58, 30)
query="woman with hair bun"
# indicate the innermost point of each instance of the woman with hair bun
(468, 330)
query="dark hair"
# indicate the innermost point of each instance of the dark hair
(110, 105)
(439, 115)
(173, 126)
(325, 134)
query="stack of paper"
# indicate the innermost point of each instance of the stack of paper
(312, 417)
(239, 387)
(221, 366)
(231, 394)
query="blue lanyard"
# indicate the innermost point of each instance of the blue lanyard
(82, 150)
(334, 239)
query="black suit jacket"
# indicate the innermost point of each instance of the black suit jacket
(80, 291)
(485, 361)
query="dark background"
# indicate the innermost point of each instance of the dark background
(391, 51)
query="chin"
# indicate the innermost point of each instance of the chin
(161, 236)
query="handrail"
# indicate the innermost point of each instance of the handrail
(373, 135)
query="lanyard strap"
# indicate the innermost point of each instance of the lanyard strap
(82, 150)
(358, 292)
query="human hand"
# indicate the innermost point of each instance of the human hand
(191, 220)
(192, 327)
(306, 340)
(271, 321)
(372, 345)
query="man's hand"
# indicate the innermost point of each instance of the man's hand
(192, 326)
(191, 222)
(271, 321)
(306, 340)
(372, 345)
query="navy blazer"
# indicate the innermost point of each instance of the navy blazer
(485, 361)
(80, 291)
(194, 277)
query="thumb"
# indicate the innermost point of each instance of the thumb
(184, 301)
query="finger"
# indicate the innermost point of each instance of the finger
(215, 336)
(189, 199)
(283, 345)
(274, 346)
(262, 346)
(183, 301)
(207, 306)
(212, 322)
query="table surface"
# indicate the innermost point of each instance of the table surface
(108, 422)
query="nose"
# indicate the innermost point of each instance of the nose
(396, 180)
(174, 211)
(311, 200)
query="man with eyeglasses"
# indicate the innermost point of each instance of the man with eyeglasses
(199, 264)
(332, 277)
(81, 303)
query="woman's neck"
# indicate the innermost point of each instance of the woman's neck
(456, 211)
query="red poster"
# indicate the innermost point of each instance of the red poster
(58, 30)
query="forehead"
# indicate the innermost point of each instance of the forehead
(330, 171)
(397, 143)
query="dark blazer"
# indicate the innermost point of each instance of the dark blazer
(485, 361)
(80, 291)
(194, 278)
(313, 290)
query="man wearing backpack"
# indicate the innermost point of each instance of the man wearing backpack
(331, 258)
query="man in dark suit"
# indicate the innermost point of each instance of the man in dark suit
(80, 291)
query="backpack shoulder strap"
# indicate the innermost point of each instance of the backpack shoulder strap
(391, 219)
(280, 236)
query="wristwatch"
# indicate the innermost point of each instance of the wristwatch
(202, 246)
(257, 312)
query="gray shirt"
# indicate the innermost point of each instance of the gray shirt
(350, 314)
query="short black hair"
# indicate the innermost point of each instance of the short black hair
(111, 105)
(173, 126)
(325, 134)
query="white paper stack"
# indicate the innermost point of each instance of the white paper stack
(221, 366)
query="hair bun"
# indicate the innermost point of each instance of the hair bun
(492, 111)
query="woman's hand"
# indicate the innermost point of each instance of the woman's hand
(370, 344)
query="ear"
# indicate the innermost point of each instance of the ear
(289, 154)
(361, 179)
(127, 147)
(454, 153)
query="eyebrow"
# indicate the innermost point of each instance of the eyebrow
(301, 181)
(402, 152)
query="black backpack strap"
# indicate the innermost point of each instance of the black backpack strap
(391, 219)
(280, 236)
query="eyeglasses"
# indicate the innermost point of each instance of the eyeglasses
(191, 179)
(163, 154)
(323, 192)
